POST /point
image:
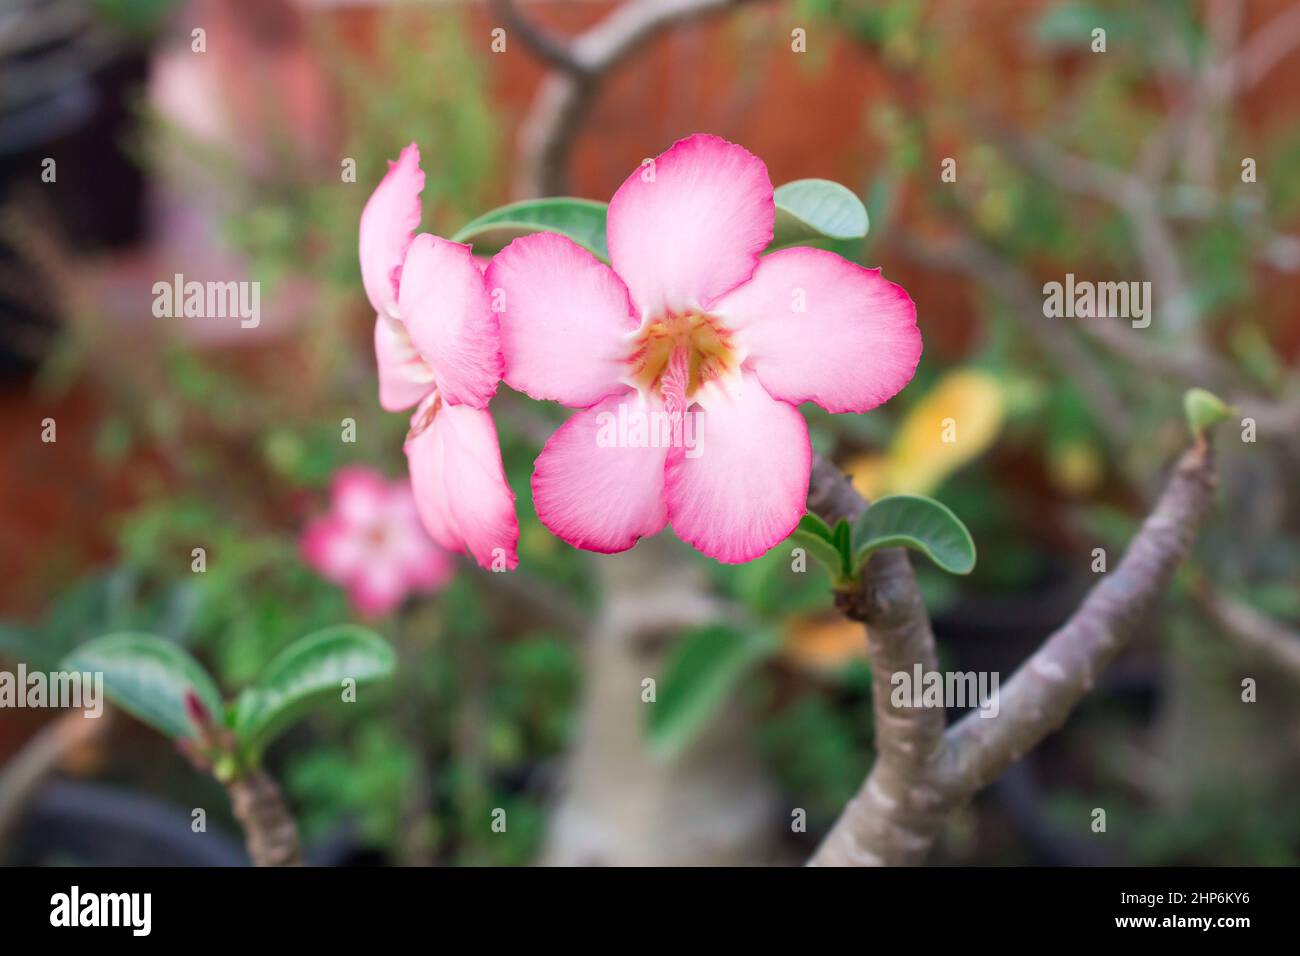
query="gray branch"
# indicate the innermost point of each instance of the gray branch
(921, 773)
(566, 93)
(1266, 639)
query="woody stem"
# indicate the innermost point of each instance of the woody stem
(269, 830)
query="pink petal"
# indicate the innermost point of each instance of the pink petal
(426, 566)
(854, 346)
(331, 549)
(404, 377)
(695, 231)
(377, 590)
(460, 485)
(430, 569)
(595, 493)
(391, 216)
(447, 312)
(565, 322)
(359, 496)
(748, 487)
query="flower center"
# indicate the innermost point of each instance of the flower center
(681, 352)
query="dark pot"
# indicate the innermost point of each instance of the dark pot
(66, 90)
(92, 824)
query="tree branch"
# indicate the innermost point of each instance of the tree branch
(1274, 417)
(1041, 694)
(921, 774)
(545, 45)
(1135, 197)
(561, 103)
(895, 816)
(982, 264)
(1267, 47)
(1258, 634)
(1190, 363)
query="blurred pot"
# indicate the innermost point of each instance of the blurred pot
(66, 80)
(98, 825)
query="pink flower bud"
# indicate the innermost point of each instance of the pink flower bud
(197, 711)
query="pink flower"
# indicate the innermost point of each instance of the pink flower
(372, 544)
(438, 348)
(691, 320)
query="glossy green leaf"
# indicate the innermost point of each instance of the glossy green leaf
(698, 678)
(582, 220)
(813, 535)
(307, 673)
(808, 210)
(814, 525)
(148, 677)
(843, 537)
(916, 522)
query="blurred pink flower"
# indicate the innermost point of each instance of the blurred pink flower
(438, 346)
(689, 316)
(372, 543)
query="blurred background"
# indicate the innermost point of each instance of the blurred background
(523, 691)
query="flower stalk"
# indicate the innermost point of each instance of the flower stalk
(269, 829)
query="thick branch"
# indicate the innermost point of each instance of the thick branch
(831, 494)
(1040, 695)
(269, 830)
(896, 815)
(922, 774)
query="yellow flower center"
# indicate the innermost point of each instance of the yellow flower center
(706, 345)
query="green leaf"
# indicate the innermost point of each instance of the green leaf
(843, 537)
(1204, 410)
(700, 674)
(148, 677)
(814, 525)
(308, 672)
(817, 209)
(813, 535)
(916, 522)
(582, 220)
(1070, 25)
